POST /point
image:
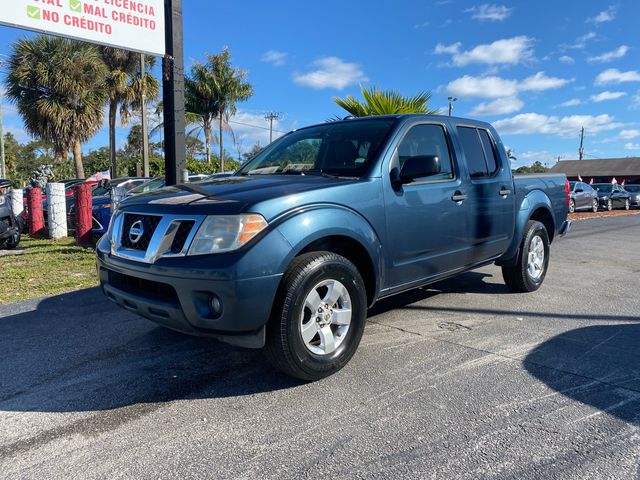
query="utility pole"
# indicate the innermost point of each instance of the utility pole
(173, 94)
(581, 149)
(451, 100)
(2, 159)
(270, 117)
(143, 110)
(3, 165)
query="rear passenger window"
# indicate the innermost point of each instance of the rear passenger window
(427, 140)
(473, 151)
(489, 151)
(479, 151)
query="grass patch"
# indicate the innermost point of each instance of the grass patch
(48, 267)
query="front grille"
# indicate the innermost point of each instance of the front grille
(148, 289)
(149, 224)
(181, 236)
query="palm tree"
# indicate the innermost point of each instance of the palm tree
(385, 102)
(125, 86)
(57, 86)
(212, 93)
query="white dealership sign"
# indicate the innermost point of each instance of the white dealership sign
(129, 24)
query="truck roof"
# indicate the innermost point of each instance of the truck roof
(443, 118)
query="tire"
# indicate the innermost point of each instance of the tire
(309, 357)
(627, 204)
(572, 206)
(594, 208)
(609, 206)
(518, 277)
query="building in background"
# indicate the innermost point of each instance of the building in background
(625, 170)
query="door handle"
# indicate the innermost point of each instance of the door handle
(458, 196)
(504, 192)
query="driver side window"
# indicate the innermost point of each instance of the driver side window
(427, 140)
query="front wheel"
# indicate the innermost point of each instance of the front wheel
(318, 323)
(530, 270)
(609, 205)
(627, 204)
(594, 207)
(572, 206)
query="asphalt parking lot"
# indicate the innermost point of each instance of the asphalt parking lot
(460, 380)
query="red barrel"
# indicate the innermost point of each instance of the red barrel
(83, 214)
(35, 217)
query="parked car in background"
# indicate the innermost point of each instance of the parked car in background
(583, 197)
(634, 195)
(101, 202)
(159, 182)
(612, 196)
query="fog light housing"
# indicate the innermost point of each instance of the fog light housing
(215, 304)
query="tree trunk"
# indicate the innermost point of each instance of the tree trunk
(77, 159)
(207, 140)
(113, 109)
(221, 146)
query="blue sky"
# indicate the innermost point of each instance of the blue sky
(538, 71)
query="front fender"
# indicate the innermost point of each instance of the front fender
(532, 201)
(309, 224)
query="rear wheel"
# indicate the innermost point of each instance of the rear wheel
(318, 323)
(533, 259)
(572, 206)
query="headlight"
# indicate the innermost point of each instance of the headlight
(219, 234)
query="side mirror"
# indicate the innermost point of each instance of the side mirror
(418, 167)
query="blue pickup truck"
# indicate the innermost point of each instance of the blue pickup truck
(290, 252)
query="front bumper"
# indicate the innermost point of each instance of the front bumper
(177, 293)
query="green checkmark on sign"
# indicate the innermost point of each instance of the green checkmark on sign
(33, 13)
(75, 6)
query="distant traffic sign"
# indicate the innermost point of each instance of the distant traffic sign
(137, 25)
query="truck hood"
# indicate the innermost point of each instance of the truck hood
(230, 195)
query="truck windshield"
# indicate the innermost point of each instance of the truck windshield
(344, 149)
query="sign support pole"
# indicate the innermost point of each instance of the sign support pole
(173, 94)
(143, 112)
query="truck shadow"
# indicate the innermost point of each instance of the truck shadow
(79, 352)
(597, 365)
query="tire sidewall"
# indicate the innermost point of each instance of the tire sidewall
(594, 206)
(346, 273)
(536, 228)
(572, 206)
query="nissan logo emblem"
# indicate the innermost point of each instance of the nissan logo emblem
(136, 232)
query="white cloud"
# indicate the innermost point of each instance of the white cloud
(331, 72)
(605, 16)
(508, 51)
(500, 106)
(540, 81)
(483, 87)
(613, 75)
(571, 103)
(619, 52)
(491, 13)
(607, 95)
(497, 87)
(567, 59)
(635, 102)
(580, 42)
(632, 146)
(565, 127)
(421, 25)
(629, 134)
(275, 58)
